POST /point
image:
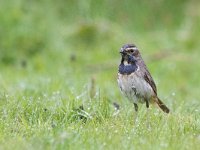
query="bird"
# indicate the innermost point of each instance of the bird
(134, 79)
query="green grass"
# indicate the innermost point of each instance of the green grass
(57, 59)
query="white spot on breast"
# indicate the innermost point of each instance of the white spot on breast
(126, 63)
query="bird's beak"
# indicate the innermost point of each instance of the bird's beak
(122, 51)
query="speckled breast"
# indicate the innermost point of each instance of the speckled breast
(135, 88)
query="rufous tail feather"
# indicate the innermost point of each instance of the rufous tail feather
(162, 105)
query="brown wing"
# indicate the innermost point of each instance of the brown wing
(146, 75)
(149, 79)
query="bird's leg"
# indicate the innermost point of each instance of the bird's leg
(136, 107)
(147, 113)
(136, 112)
(147, 104)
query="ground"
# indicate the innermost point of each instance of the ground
(59, 68)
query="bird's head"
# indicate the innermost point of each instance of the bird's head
(129, 53)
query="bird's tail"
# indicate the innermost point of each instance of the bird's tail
(162, 105)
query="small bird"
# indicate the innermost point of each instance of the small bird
(134, 79)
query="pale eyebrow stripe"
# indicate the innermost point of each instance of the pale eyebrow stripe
(133, 48)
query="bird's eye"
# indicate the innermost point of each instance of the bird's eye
(131, 50)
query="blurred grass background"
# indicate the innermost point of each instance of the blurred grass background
(57, 56)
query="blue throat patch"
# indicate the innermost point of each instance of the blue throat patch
(130, 68)
(127, 69)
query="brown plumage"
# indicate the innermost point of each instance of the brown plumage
(134, 79)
